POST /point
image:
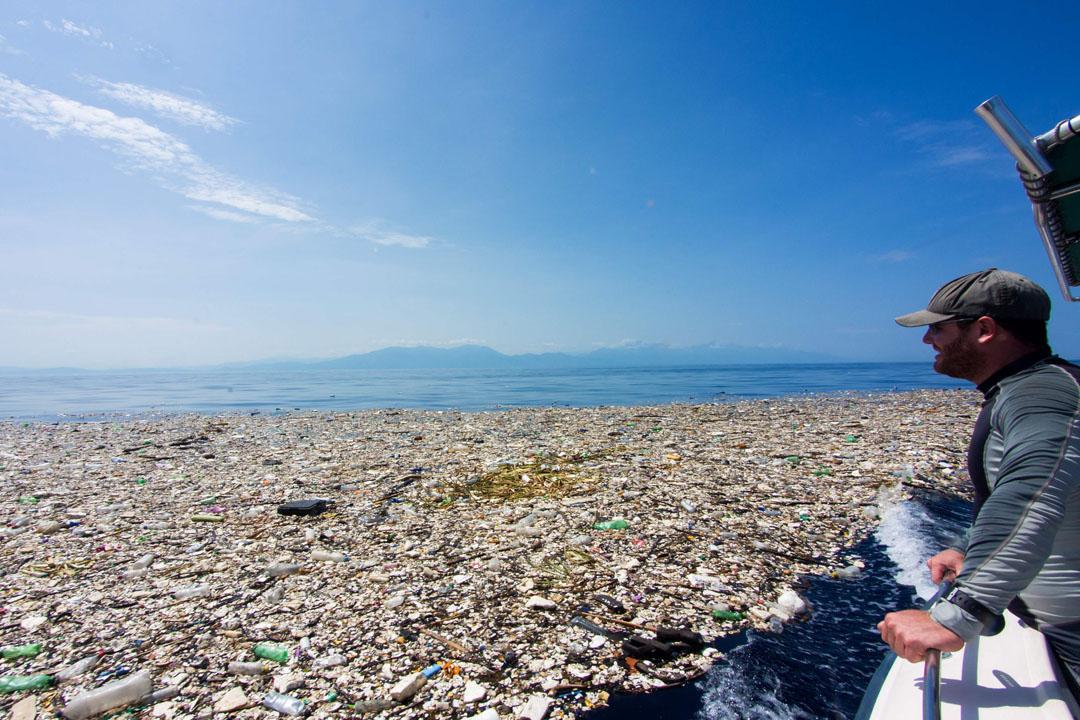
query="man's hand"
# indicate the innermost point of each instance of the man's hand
(910, 633)
(946, 565)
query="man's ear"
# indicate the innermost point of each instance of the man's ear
(988, 329)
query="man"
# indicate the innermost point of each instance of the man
(1022, 550)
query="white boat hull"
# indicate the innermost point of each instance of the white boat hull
(1010, 676)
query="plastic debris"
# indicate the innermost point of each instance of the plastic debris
(271, 651)
(284, 704)
(10, 652)
(447, 523)
(18, 683)
(110, 696)
(304, 507)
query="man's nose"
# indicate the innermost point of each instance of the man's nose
(926, 336)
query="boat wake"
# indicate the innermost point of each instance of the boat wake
(907, 534)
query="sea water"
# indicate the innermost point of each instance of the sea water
(80, 394)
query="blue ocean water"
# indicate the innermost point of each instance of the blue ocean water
(57, 394)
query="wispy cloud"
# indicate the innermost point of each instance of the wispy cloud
(220, 214)
(174, 107)
(7, 48)
(146, 147)
(388, 238)
(946, 143)
(87, 32)
(893, 256)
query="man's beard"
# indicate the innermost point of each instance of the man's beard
(958, 359)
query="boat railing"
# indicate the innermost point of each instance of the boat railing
(932, 667)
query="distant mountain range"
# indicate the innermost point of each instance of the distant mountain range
(480, 357)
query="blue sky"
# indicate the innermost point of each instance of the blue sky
(188, 183)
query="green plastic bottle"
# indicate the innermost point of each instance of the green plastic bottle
(272, 651)
(727, 615)
(9, 652)
(18, 683)
(616, 524)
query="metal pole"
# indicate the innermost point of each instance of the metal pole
(1061, 132)
(931, 694)
(1017, 140)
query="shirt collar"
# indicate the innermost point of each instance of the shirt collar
(987, 386)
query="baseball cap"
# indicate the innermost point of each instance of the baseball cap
(993, 292)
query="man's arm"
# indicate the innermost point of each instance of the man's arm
(1017, 525)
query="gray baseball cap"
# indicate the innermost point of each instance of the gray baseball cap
(993, 292)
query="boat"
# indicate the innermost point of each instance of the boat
(1008, 676)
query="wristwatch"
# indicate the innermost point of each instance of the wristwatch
(992, 623)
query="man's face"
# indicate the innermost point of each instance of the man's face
(957, 353)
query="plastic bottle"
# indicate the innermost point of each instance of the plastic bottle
(107, 697)
(271, 651)
(615, 524)
(9, 652)
(727, 615)
(77, 668)
(246, 668)
(282, 569)
(207, 517)
(18, 683)
(329, 556)
(285, 704)
(165, 693)
(330, 661)
(372, 706)
(191, 592)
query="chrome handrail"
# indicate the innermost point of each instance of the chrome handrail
(931, 698)
(931, 694)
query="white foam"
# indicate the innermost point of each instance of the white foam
(905, 532)
(729, 695)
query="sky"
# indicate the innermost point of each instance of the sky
(187, 183)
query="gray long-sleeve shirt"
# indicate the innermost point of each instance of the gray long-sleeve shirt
(1023, 549)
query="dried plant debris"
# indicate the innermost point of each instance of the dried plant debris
(521, 563)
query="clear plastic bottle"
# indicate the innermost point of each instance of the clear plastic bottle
(330, 661)
(282, 569)
(329, 556)
(246, 668)
(77, 668)
(165, 693)
(109, 696)
(193, 591)
(284, 704)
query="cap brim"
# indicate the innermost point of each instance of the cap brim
(922, 317)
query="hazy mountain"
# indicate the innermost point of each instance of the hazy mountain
(480, 357)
